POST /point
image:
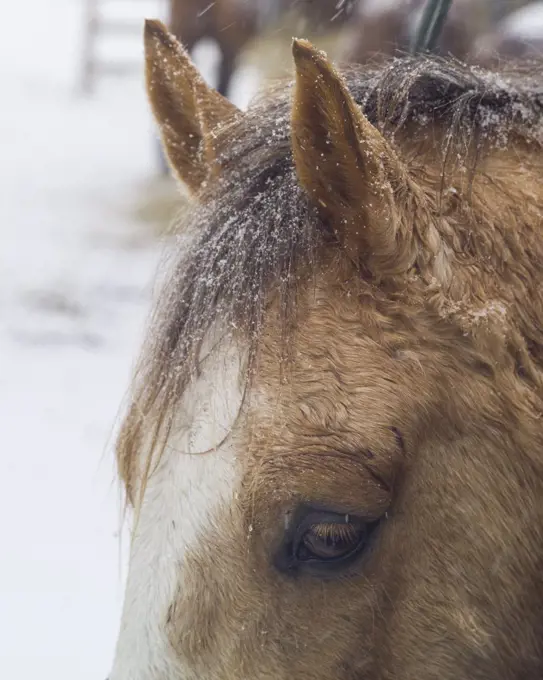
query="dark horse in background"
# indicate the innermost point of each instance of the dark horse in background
(233, 24)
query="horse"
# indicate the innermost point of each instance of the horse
(234, 24)
(333, 445)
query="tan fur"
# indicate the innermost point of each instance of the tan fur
(413, 394)
(443, 593)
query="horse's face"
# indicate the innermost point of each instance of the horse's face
(371, 507)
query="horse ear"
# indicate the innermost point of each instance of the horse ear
(188, 112)
(346, 166)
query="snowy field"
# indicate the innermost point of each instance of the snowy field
(75, 281)
(76, 271)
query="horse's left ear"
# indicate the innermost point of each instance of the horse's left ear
(189, 113)
(346, 166)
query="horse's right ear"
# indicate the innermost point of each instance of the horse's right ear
(188, 112)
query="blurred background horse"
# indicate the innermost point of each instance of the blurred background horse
(235, 24)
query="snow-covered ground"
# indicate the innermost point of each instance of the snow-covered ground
(75, 280)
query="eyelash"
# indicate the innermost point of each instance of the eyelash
(303, 551)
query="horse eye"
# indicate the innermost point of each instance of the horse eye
(329, 541)
(329, 538)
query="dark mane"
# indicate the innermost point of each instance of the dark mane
(255, 233)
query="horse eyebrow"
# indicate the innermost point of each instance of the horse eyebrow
(399, 439)
(400, 444)
(378, 478)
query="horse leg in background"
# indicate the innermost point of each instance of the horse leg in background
(235, 26)
(227, 67)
